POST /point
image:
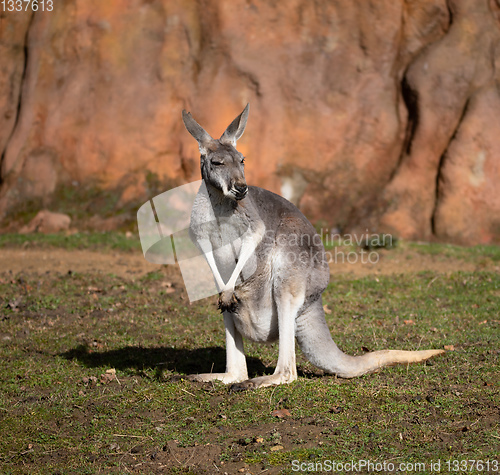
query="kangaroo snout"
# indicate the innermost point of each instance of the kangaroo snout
(241, 190)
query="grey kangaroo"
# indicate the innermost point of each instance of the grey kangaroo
(280, 297)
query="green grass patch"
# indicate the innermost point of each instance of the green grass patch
(477, 253)
(103, 241)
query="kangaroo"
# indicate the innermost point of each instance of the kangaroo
(280, 297)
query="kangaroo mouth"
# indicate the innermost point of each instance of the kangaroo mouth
(239, 195)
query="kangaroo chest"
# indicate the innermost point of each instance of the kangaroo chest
(227, 229)
(227, 238)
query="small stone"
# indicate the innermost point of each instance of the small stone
(114, 447)
(281, 413)
(47, 222)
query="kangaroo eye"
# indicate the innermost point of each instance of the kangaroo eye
(217, 163)
(242, 160)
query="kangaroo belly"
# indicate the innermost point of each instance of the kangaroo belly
(256, 317)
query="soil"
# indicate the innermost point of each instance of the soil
(131, 265)
(40, 261)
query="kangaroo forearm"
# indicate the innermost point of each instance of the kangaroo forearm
(248, 247)
(206, 248)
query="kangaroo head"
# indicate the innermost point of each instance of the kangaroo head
(221, 164)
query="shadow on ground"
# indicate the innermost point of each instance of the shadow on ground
(161, 359)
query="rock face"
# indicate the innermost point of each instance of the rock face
(450, 163)
(377, 115)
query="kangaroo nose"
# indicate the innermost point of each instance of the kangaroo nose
(241, 189)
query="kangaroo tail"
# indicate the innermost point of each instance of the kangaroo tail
(313, 337)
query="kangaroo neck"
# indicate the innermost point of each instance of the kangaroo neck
(222, 205)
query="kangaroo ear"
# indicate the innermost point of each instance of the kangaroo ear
(236, 128)
(198, 132)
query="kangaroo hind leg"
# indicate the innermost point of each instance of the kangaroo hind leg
(236, 366)
(288, 298)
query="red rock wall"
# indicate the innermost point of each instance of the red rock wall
(378, 114)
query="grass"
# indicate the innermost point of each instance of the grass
(61, 412)
(479, 252)
(103, 241)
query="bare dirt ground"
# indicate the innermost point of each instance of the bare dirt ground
(61, 260)
(132, 265)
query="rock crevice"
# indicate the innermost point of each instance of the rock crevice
(440, 82)
(17, 66)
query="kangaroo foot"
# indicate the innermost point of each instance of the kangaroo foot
(227, 301)
(262, 382)
(226, 378)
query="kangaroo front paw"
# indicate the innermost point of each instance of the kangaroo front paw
(227, 301)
